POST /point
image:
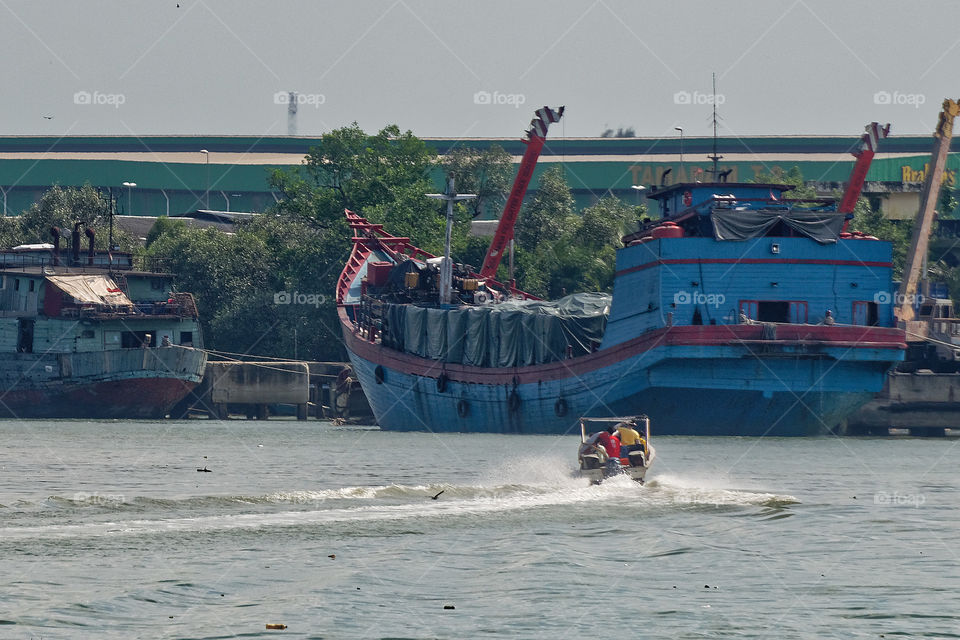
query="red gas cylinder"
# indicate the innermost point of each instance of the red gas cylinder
(845, 235)
(667, 230)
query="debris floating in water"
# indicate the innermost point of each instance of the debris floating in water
(449, 606)
(274, 625)
(205, 470)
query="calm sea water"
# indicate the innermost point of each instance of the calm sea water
(109, 531)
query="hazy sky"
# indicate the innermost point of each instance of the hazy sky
(461, 68)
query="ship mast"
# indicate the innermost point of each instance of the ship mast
(446, 264)
(716, 158)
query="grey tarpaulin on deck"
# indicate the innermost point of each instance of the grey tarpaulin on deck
(509, 334)
(416, 326)
(437, 334)
(824, 227)
(456, 332)
(475, 347)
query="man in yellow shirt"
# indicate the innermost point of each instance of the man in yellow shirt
(630, 439)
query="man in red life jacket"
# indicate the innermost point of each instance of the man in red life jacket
(610, 442)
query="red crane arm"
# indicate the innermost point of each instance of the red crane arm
(536, 136)
(865, 153)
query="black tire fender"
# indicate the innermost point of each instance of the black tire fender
(560, 407)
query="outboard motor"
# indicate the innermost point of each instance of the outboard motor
(637, 459)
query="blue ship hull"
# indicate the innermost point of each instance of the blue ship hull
(686, 390)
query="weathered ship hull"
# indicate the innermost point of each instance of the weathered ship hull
(124, 383)
(689, 380)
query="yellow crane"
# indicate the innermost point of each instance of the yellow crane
(920, 240)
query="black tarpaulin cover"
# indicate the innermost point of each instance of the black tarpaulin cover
(509, 334)
(824, 227)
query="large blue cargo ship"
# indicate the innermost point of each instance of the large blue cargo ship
(740, 311)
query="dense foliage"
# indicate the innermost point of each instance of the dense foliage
(63, 207)
(268, 288)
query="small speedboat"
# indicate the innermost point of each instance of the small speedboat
(599, 439)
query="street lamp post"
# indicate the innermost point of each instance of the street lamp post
(680, 129)
(206, 192)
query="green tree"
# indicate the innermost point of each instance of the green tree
(550, 212)
(792, 177)
(487, 173)
(897, 232)
(382, 177)
(63, 207)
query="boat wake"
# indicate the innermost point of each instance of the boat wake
(516, 488)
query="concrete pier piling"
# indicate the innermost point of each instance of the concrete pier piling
(259, 389)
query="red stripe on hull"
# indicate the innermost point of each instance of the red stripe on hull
(701, 335)
(657, 263)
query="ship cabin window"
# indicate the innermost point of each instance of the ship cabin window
(135, 339)
(16, 284)
(782, 311)
(865, 313)
(773, 311)
(186, 338)
(3, 282)
(926, 310)
(33, 284)
(87, 334)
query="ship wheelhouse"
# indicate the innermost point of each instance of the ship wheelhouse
(728, 254)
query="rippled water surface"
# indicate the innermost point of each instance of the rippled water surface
(109, 531)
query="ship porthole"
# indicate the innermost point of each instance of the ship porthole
(560, 407)
(378, 374)
(463, 408)
(513, 401)
(442, 382)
